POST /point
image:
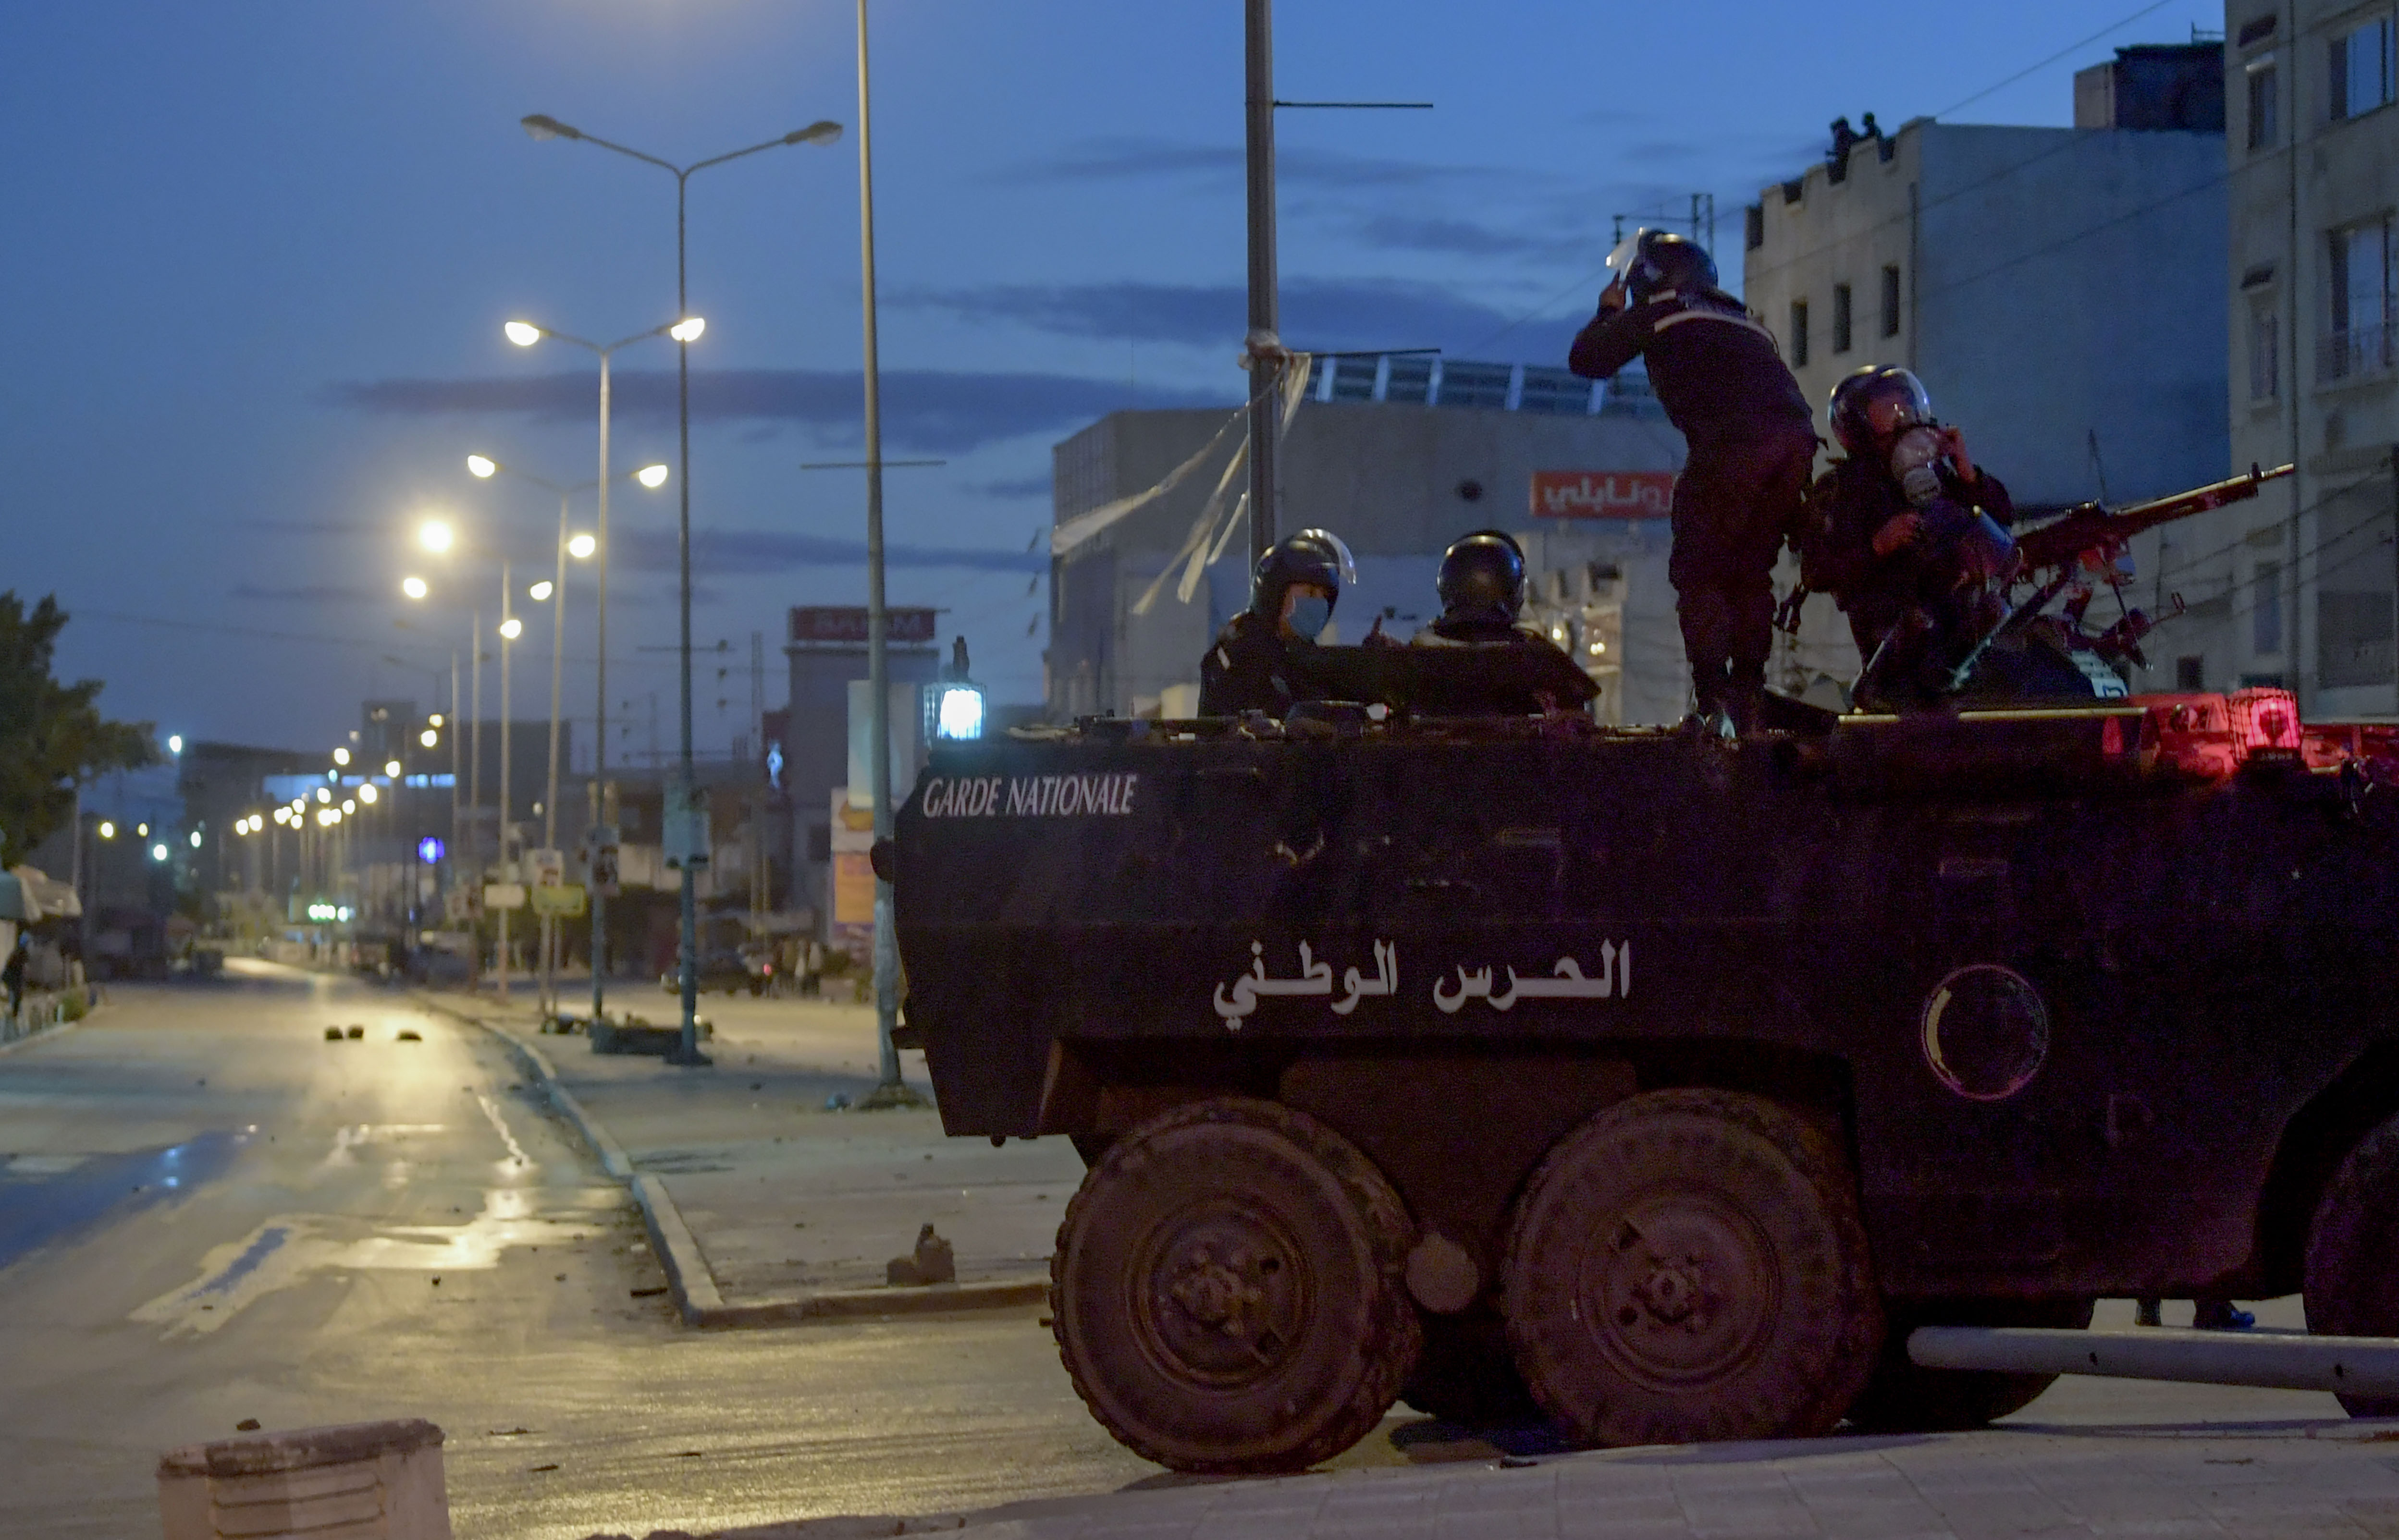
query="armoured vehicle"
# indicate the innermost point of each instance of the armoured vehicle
(1661, 1080)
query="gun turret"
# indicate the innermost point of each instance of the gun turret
(2092, 528)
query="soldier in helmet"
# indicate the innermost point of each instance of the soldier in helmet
(1905, 528)
(1752, 442)
(1482, 587)
(1255, 663)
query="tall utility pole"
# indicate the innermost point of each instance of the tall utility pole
(1264, 348)
(890, 1091)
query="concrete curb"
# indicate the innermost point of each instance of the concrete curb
(697, 1298)
(51, 1035)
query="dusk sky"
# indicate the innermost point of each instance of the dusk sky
(257, 256)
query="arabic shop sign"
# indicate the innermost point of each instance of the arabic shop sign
(1603, 493)
(1451, 990)
(1031, 796)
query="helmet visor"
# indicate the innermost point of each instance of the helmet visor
(1340, 550)
(1619, 261)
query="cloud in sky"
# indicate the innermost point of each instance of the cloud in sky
(1146, 159)
(748, 552)
(1316, 313)
(951, 412)
(1014, 486)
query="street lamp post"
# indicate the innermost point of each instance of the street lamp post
(652, 477)
(685, 802)
(524, 334)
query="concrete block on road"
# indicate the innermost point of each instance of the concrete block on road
(366, 1480)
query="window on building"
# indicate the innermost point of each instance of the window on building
(2190, 673)
(2265, 353)
(1799, 334)
(1753, 227)
(1890, 301)
(1840, 318)
(2357, 300)
(2262, 105)
(2362, 68)
(2265, 609)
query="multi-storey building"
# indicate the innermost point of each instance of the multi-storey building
(2058, 291)
(2298, 586)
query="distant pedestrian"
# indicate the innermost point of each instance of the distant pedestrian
(13, 975)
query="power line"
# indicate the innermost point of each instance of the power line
(2036, 69)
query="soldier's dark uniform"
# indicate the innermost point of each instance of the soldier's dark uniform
(1752, 444)
(1852, 500)
(1249, 669)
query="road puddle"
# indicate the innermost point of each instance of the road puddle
(291, 1248)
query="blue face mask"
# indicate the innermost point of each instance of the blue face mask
(1310, 614)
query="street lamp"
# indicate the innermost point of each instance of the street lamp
(684, 804)
(413, 587)
(578, 546)
(524, 334)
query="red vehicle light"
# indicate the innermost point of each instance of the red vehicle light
(2194, 734)
(2264, 723)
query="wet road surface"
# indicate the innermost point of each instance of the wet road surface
(209, 1213)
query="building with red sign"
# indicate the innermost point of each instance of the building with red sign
(1399, 455)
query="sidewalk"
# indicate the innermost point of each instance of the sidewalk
(2310, 1479)
(770, 1208)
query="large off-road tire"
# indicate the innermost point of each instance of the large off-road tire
(1227, 1290)
(2351, 1281)
(1906, 1397)
(1465, 1374)
(1690, 1265)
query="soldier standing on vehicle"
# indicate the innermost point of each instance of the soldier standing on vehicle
(1253, 665)
(1752, 443)
(1481, 589)
(1866, 540)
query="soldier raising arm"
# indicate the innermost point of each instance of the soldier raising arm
(1752, 444)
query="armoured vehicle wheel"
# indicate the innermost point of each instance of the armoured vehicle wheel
(2352, 1283)
(1465, 1376)
(1903, 1397)
(1690, 1265)
(1227, 1290)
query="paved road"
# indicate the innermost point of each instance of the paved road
(319, 1190)
(209, 1213)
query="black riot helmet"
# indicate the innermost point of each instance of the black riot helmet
(1662, 260)
(1854, 398)
(1482, 573)
(1311, 557)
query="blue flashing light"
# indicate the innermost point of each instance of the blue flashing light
(430, 849)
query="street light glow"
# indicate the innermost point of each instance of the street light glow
(323, 796)
(435, 720)
(196, 839)
(391, 767)
(157, 852)
(436, 535)
(174, 743)
(511, 628)
(283, 814)
(523, 333)
(688, 328)
(482, 465)
(539, 592)
(414, 588)
(652, 477)
(143, 830)
(340, 756)
(367, 794)
(349, 805)
(429, 737)
(581, 547)
(107, 830)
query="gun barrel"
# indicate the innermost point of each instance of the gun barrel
(2161, 510)
(2096, 529)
